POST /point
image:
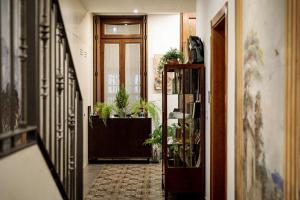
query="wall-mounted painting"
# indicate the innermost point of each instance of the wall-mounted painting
(157, 75)
(260, 99)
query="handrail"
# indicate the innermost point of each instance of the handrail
(60, 18)
(40, 92)
(61, 99)
(12, 142)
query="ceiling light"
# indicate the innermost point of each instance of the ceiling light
(135, 11)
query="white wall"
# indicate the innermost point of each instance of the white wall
(25, 175)
(163, 33)
(79, 27)
(206, 10)
(143, 6)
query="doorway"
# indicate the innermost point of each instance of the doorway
(119, 57)
(218, 119)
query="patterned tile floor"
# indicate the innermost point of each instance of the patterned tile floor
(127, 182)
(123, 182)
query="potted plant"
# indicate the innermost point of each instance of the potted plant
(156, 139)
(121, 101)
(142, 108)
(173, 56)
(103, 110)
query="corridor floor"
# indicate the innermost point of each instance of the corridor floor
(127, 182)
(123, 182)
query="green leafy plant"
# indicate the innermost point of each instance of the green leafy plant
(148, 107)
(104, 111)
(172, 54)
(121, 101)
(156, 135)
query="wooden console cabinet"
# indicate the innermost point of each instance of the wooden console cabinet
(121, 138)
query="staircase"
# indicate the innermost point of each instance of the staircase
(40, 102)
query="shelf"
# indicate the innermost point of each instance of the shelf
(178, 94)
(185, 148)
(171, 68)
(179, 115)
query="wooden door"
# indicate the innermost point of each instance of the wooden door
(218, 106)
(188, 28)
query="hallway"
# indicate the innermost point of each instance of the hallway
(149, 100)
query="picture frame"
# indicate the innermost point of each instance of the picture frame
(158, 76)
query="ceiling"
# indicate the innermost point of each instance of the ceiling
(143, 6)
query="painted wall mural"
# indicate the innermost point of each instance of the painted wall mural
(263, 99)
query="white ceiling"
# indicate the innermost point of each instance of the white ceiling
(143, 6)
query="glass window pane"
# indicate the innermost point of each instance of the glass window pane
(121, 29)
(132, 72)
(111, 72)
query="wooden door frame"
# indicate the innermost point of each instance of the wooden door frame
(217, 19)
(100, 37)
(292, 101)
(192, 15)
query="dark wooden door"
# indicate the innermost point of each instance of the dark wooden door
(218, 106)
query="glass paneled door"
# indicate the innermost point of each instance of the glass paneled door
(121, 59)
(111, 71)
(122, 66)
(133, 71)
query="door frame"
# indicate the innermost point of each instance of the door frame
(221, 15)
(100, 38)
(292, 101)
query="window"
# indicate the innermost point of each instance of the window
(120, 57)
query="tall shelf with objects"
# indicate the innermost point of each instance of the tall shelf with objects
(184, 129)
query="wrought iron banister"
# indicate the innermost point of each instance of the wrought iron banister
(39, 86)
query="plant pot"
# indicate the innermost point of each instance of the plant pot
(156, 154)
(173, 61)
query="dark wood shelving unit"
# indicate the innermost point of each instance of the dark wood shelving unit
(184, 148)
